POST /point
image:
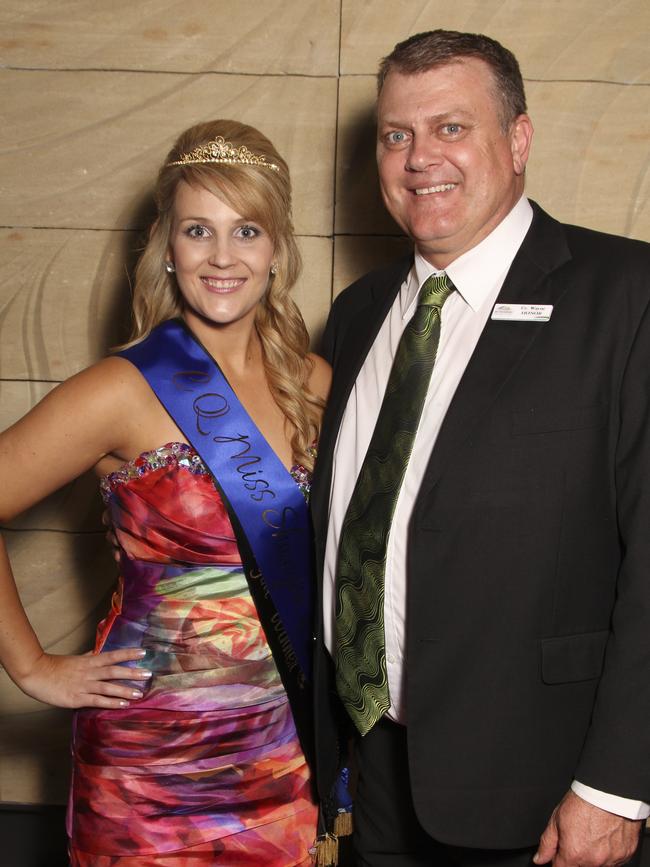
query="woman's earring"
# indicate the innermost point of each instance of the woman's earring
(170, 268)
(274, 269)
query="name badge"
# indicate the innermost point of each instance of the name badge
(522, 312)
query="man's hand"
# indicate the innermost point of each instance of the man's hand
(581, 835)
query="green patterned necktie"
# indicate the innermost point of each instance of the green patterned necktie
(360, 644)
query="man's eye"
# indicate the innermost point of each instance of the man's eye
(452, 128)
(396, 137)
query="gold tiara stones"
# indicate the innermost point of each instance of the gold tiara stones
(221, 151)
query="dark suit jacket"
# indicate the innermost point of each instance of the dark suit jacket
(528, 637)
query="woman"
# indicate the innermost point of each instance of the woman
(195, 757)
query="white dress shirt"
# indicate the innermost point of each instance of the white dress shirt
(478, 276)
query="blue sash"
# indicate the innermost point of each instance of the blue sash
(268, 510)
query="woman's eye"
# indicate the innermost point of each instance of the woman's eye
(197, 231)
(248, 232)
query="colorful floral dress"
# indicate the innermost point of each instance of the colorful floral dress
(207, 767)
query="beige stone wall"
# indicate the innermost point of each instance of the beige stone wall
(93, 95)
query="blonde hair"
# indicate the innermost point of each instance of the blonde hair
(264, 196)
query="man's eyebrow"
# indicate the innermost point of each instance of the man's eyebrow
(432, 119)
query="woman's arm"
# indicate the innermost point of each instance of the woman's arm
(320, 378)
(67, 433)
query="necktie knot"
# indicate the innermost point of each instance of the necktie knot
(435, 290)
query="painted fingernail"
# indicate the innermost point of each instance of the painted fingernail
(145, 673)
(142, 653)
(136, 693)
(124, 704)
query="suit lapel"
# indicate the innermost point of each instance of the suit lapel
(357, 334)
(361, 333)
(503, 345)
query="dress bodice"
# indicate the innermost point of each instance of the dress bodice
(164, 507)
(182, 592)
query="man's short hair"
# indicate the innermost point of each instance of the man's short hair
(425, 51)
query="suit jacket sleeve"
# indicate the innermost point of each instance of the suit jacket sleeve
(616, 755)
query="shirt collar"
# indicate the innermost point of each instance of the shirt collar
(477, 272)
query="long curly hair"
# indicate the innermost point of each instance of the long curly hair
(264, 196)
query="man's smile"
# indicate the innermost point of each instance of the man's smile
(440, 188)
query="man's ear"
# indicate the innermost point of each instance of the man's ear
(521, 136)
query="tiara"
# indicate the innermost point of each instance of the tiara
(221, 151)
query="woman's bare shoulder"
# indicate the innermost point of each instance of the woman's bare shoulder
(112, 377)
(69, 431)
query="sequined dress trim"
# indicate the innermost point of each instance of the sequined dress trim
(180, 455)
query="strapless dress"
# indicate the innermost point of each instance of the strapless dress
(207, 768)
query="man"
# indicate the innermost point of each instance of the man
(487, 606)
